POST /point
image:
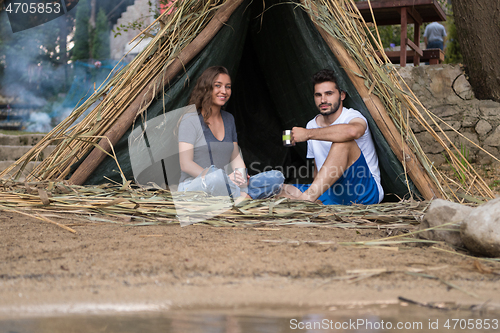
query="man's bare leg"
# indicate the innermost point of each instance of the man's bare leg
(289, 191)
(341, 156)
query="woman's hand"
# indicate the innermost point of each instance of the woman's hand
(237, 178)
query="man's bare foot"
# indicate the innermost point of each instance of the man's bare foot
(305, 197)
(308, 199)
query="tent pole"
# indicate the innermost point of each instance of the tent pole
(126, 119)
(420, 178)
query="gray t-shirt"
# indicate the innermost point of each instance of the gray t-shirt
(434, 32)
(207, 149)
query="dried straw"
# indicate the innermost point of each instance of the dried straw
(139, 206)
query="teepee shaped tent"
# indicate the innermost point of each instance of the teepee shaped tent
(271, 48)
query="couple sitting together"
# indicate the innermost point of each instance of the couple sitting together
(339, 140)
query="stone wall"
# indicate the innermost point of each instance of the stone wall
(478, 121)
(140, 11)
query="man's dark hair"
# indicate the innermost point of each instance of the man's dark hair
(325, 75)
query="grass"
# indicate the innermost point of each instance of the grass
(463, 160)
(6, 132)
(495, 183)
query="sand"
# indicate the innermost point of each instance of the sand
(112, 267)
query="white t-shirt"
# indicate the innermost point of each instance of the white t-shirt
(319, 149)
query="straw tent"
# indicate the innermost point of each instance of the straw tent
(272, 48)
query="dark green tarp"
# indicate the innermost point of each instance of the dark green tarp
(271, 59)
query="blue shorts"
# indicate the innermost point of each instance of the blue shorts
(355, 186)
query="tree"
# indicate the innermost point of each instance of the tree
(91, 32)
(63, 47)
(478, 33)
(81, 50)
(100, 43)
(34, 62)
(31, 61)
(93, 10)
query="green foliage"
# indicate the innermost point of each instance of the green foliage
(100, 42)
(91, 43)
(496, 183)
(136, 25)
(463, 159)
(140, 25)
(81, 50)
(7, 132)
(390, 34)
(453, 53)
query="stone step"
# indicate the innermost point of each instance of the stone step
(29, 167)
(9, 153)
(20, 140)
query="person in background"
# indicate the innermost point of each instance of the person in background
(434, 36)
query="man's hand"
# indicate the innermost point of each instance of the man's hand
(299, 134)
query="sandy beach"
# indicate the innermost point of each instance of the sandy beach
(45, 269)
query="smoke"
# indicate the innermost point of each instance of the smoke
(23, 96)
(33, 75)
(25, 73)
(39, 122)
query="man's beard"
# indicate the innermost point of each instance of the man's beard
(332, 110)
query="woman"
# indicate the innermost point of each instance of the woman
(208, 145)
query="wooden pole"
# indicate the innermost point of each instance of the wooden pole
(127, 118)
(416, 38)
(404, 31)
(377, 110)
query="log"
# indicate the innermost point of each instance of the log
(125, 121)
(377, 110)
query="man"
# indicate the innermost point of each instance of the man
(339, 140)
(434, 36)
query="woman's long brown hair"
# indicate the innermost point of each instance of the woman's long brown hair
(202, 92)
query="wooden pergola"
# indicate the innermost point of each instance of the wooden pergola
(392, 12)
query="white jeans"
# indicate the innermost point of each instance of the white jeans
(216, 182)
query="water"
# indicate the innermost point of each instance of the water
(379, 318)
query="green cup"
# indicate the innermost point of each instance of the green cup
(287, 138)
